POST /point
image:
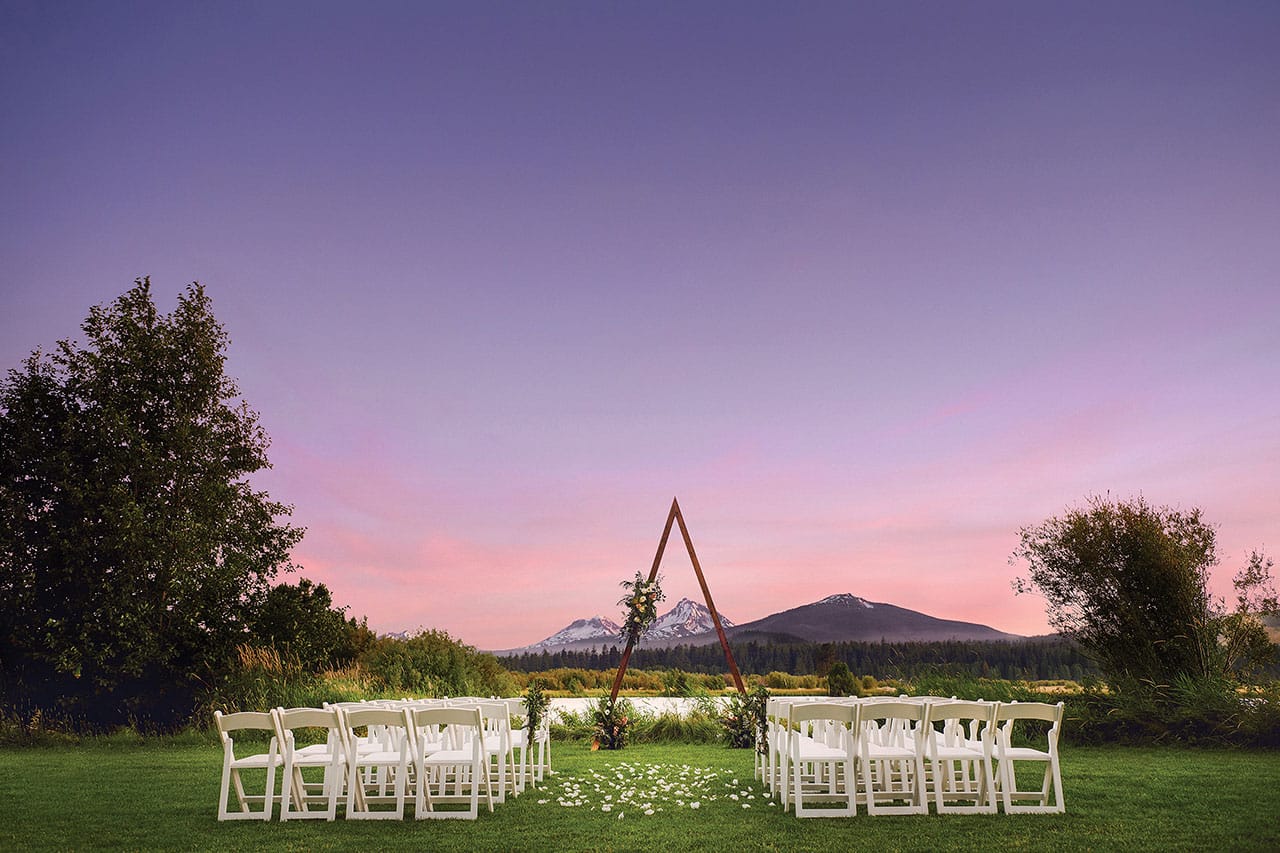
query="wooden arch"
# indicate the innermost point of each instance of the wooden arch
(676, 516)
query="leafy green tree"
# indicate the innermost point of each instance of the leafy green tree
(299, 620)
(133, 548)
(1129, 582)
(1245, 649)
(840, 681)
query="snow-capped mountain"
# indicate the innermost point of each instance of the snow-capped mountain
(835, 619)
(686, 619)
(845, 599)
(597, 628)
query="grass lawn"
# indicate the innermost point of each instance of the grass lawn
(162, 795)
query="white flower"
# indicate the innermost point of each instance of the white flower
(695, 805)
(648, 811)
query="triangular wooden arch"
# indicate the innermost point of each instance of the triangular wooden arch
(676, 516)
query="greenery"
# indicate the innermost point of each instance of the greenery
(840, 681)
(610, 719)
(1129, 582)
(744, 719)
(535, 709)
(133, 548)
(431, 663)
(1033, 659)
(428, 664)
(300, 621)
(163, 794)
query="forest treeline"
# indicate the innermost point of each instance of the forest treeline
(1035, 659)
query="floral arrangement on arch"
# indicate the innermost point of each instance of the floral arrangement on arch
(641, 602)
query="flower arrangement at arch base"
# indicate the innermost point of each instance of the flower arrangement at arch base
(611, 721)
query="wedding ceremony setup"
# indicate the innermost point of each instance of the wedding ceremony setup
(818, 756)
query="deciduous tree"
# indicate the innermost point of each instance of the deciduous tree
(1130, 583)
(133, 545)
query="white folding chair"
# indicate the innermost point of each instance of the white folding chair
(390, 763)
(522, 767)
(449, 756)
(1007, 717)
(822, 751)
(960, 767)
(498, 747)
(259, 721)
(297, 794)
(778, 729)
(891, 755)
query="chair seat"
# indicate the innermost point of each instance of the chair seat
(815, 751)
(890, 753)
(1022, 753)
(255, 762)
(448, 756)
(957, 753)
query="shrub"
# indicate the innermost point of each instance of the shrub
(1200, 712)
(611, 720)
(669, 727)
(840, 681)
(675, 682)
(432, 663)
(744, 718)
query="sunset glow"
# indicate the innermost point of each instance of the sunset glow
(868, 287)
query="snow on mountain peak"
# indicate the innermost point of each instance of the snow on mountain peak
(847, 600)
(595, 628)
(686, 619)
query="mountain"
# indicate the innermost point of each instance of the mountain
(593, 631)
(686, 619)
(848, 618)
(837, 618)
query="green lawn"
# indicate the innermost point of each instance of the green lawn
(162, 795)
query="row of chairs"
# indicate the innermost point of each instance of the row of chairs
(375, 757)
(893, 755)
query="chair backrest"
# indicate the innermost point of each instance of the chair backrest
(356, 718)
(446, 717)
(840, 713)
(287, 720)
(1029, 711)
(306, 718)
(893, 710)
(263, 721)
(960, 710)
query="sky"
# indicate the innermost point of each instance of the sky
(868, 286)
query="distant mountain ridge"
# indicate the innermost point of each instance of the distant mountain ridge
(843, 617)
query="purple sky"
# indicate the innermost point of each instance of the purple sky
(868, 286)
